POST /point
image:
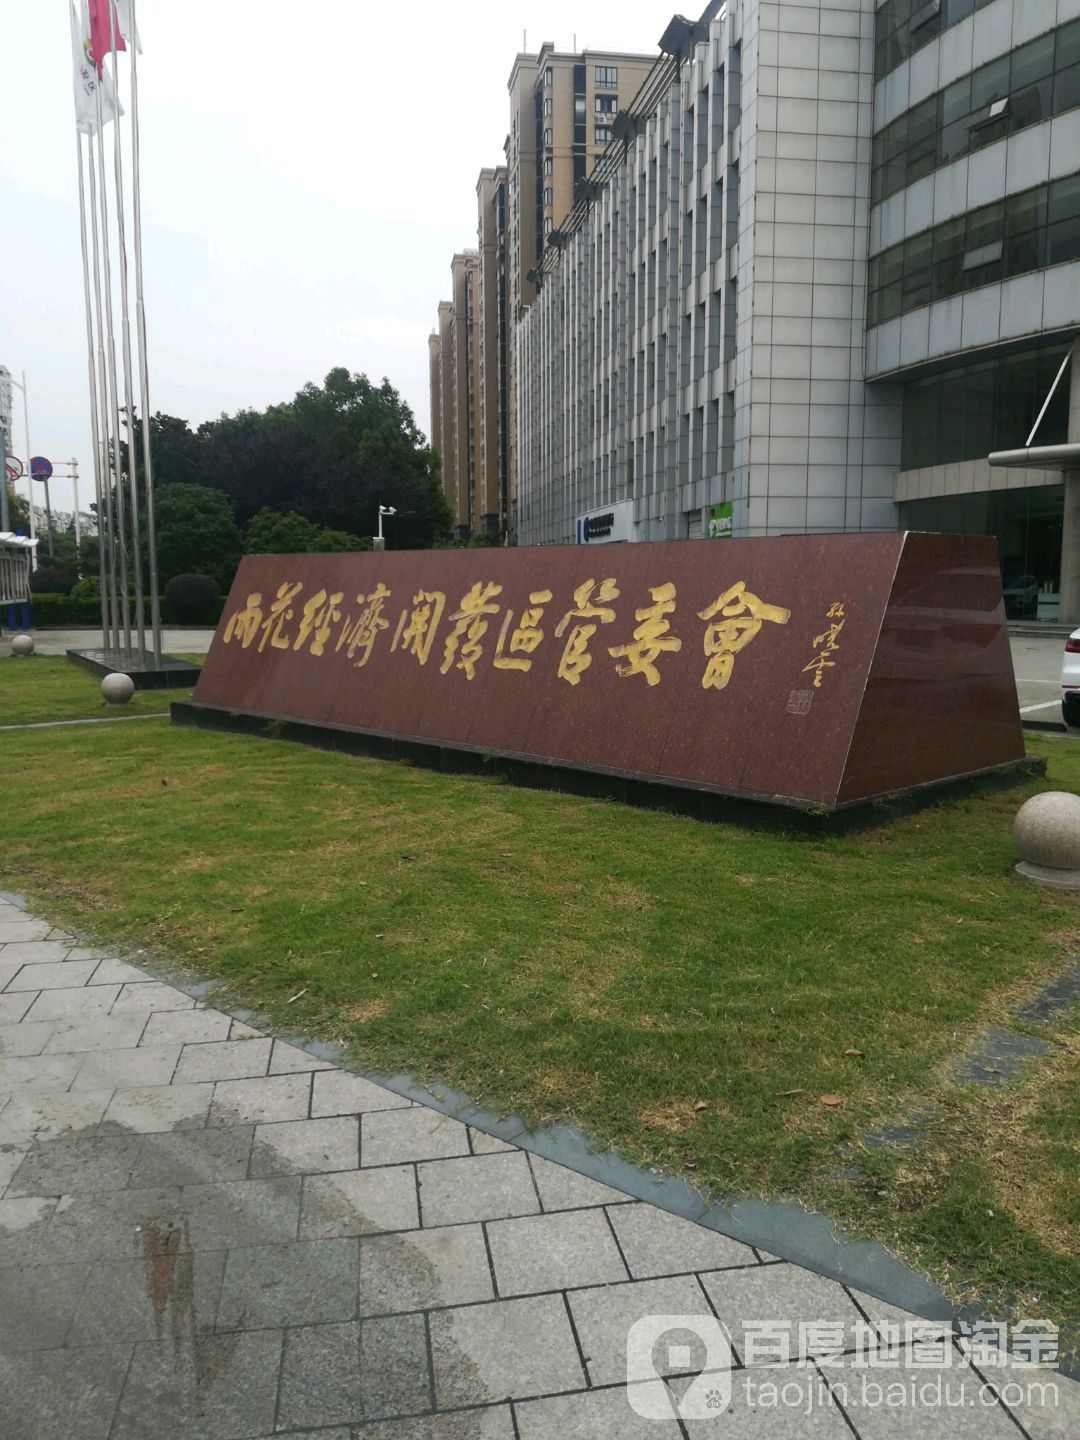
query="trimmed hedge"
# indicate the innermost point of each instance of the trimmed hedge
(59, 612)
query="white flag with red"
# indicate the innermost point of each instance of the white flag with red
(87, 81)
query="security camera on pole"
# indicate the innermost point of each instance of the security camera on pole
(379, 542)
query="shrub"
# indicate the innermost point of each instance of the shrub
(62, 610)
(193, 599)
(51, 580)
(86, 589)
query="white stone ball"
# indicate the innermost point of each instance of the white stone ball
(118, 688)
(22, 645)
(1047, 830)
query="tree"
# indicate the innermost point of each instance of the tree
(275, 532)
(197, 534)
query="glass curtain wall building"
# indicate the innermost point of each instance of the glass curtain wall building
(828, 269)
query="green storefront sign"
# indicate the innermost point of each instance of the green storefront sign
(721, 520)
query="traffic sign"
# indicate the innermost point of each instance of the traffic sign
(40, 468)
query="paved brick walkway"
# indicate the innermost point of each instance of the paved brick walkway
(208, 1233)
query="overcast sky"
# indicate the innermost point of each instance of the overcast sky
(308, 171)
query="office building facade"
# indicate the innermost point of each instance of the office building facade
(837, 266)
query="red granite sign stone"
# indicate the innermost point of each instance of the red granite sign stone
(814, 669)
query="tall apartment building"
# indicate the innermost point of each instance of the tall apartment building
(457, 402)
(562, 107)
(490, 504)
(836, 268)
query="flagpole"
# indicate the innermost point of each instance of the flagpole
(103, 382)
(140, 324)
(125, 328)
(120, 535)
(92, 375)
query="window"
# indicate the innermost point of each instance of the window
(548, 195)
(606, 104)
(904, 26)
(549, 76)
(606, 75)
(1014, 236)
(548, 106)
(579, 109)
(1037, 80)
(601, 135)
(549, 165)
(547, 137)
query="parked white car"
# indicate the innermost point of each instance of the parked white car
(1070, 680)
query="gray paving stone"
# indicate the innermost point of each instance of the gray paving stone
(493, 1422)
(423, 1269)
(82, 1004)
(151, 995)
(790, 1404)
(484, 1144)
(14, 1007)
(258, 1102)
(36, 1306)
(185, 1026)
(336, 1092)
(245, 1212)
(111, 971)
(62, 1393)
(554, 1252)
(785, 1294)
(564, 1189)
(306, 1282)
(603, 1318)
(508, 1349)
(239, 1031)
(23, 1223)
(306, 1147)
(335, 1434)
(875, 1418)
(193, 1157)
(360, 1202)
(289, 1059)
(38, 1072)
(106, 1032)
(391, 1137)
(48, 1115)
(595, 1415)
(224, 1060)
(213, 1387)
(394, 1370)
(320, 1376)
(142, 1065)
(11, 1157)
(146, 1108)
(1046, 1403)
(82, 1163)
(15, 930)
(24, 1039)
(168, 1293)
(53, 975)
(107, 1225)
(8, 972)
(481, 1187)
(658, 1243)
(35, 952)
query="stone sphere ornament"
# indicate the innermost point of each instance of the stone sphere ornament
(1047, 833)
(118, 688)
(22, 645)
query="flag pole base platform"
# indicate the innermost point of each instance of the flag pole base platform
(171, 674)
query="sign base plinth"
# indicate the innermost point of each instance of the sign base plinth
(171, 674)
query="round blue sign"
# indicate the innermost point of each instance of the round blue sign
(40, 468)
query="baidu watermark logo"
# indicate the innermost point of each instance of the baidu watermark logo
(671, 1345)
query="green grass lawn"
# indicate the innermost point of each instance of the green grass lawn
(686, 992)
(50, 687)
